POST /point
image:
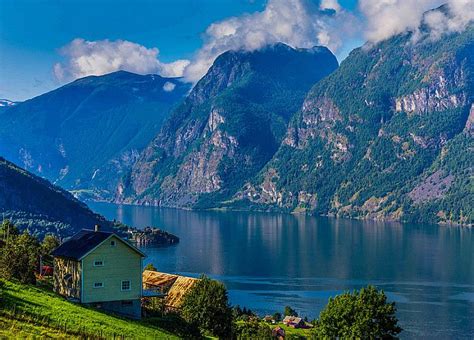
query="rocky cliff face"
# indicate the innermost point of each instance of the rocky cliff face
(228, 127)
(85, 135)
(387, 136)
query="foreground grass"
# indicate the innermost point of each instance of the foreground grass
(290, 332)
(28, 312)
(303, 333)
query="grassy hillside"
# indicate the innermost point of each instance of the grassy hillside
(27, 311)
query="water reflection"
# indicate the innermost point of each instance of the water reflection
(271, 260)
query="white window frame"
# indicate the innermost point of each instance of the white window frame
(97, 287)
(98, 265)
(129, 285)
(113, 243)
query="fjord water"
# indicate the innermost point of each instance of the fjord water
(270, 260)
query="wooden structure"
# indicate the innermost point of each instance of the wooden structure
(294, 322)
(173, 287)
(100, 269)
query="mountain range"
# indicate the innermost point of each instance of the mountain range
(388, 134)
(86, 134)
(227, 129)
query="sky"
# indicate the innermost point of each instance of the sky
(47, 43)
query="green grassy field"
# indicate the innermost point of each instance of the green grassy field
(29, 312)
(294, 333)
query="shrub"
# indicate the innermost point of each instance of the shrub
(19, 257)
(253, 329)
(290, 311)
(361, 314)
(207, 307)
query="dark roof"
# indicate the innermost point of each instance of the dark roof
(83, 242)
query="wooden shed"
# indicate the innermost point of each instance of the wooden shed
(174, 287)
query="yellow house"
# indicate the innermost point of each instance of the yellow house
(101, 269)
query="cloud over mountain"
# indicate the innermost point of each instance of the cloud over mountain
(83, 58)
(299, 23)
(386, 18)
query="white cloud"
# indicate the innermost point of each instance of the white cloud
(169, 86)
(386, 18)
(83, 58)
(461, 13)
(330, 4)
(299, 23)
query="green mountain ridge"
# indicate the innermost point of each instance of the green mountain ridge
(35, 204)
(228, 127)
(86, 134)
(389, 135)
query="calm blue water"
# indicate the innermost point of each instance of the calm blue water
(268, 261)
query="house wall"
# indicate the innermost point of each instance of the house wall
(69, 288)
(120, 263)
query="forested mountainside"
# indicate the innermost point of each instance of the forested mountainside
(389, 135)
(86, 134)
(227, 129)
(33, 203)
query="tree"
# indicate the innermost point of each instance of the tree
(207, 307)
(252, 329)
(150, 266)
(361, 314)
(50, 242)
(290, 311)
(19, 257)
(277, 317)
(8, 229)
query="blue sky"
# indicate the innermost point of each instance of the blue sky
(33, 31)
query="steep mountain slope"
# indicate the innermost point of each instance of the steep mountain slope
(85, 134)
(228, 127)
(34, 203)
(388, 135)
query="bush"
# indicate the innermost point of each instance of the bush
(19, 257)
(365, 314)
(207, 306)
(151, 267)
(290, 311)
(253, 329)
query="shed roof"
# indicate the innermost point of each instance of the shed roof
(178, 285)
(154, 278)
(178, 290)
(292, 319)
(84, 242)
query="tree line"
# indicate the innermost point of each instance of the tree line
(364, 313)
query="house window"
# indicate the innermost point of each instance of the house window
(126, 285)
(98, 284)
(112, 243)
(98, 263)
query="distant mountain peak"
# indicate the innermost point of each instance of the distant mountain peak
(227, 128)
